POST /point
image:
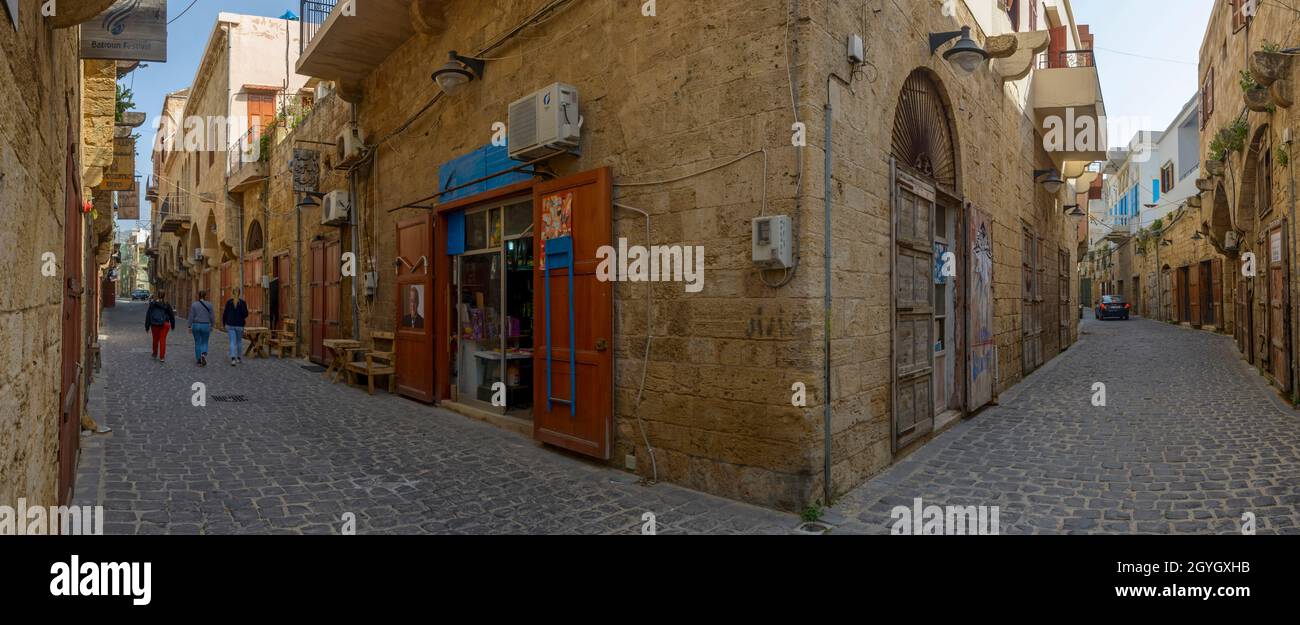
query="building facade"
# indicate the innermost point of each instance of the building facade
(56, 141)
(511, 286)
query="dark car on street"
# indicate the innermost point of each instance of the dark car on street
(140, 294)
(1112, 307)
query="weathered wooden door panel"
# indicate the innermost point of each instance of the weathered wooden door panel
(913, 306)
(1279, 340)
(1031, 304)
(585, 426)
(1194, 294)
(70, 340)
(415, 332)
(316, 325)
(1216, 293)
(980, 285)
(284, 281)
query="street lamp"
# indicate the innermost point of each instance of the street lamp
(310, 199)
(965, 55)
(1052, 183)
(457, 72)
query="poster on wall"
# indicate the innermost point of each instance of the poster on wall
(983, 346)
(557, 219)
(130, 30)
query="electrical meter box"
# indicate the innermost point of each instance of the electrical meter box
(772, 245)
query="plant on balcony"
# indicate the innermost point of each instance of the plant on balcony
(1256, 95)
(125, 102)
(264, 148)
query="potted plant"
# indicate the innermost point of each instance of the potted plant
(1256, 95)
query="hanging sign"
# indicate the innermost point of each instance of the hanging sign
(130, 30)
(120, 175)
(128, 203)
(305, 166)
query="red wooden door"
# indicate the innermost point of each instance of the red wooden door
(316, 325)
(415, 331)
(1216, 293)
(70, 339)
(1194, 293)
(586, 425)
(282, 273)
(253, 290)
(261, 111)
(332, 261)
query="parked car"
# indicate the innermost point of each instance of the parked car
(1112, 307)
(140, 294)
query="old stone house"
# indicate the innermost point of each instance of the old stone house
(56, 142)
(947, 277)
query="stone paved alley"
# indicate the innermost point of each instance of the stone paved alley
(1190, 439)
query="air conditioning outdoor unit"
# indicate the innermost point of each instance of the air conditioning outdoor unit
(545, 123)
(335, 208)
(347, 149)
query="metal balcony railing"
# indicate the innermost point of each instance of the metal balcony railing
(314, 13)
(247, 149)
(1067, 59)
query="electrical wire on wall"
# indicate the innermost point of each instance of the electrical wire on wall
(645, 357)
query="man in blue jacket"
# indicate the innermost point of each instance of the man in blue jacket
(234, 317)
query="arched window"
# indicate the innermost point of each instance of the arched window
(255, 237)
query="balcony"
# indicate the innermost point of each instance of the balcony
(1068, 105)
(247, 159)
(347, 48)
(151, 189)
(175, 214)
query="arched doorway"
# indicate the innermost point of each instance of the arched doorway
(254, 267)
(928, 243)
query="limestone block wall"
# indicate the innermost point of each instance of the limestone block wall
(39, 79)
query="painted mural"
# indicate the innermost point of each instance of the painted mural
(983, 358)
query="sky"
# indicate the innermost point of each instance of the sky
(1147, 52)
(186, 38)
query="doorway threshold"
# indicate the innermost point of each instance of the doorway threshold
(945, 419)
(511, 423)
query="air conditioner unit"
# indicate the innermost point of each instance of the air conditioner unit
(545, 123)
(347, 149)
(335, 208)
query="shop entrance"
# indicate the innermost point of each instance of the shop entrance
(492, 305)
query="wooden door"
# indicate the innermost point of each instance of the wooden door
(1279, 343)
(316, 325)
(1063, 297)
(282, 271)
(253, 268)
(415, 330)
(1031, 345)
(583, 374)
(1244, 328)
(913, 308)
(1216, 293)
(332, 260)
(980, 331)
(1193, 294)
(70, 339)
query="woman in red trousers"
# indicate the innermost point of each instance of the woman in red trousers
(160, 319)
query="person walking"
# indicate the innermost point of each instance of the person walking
(159, 320)
(201, 318)
(233, 316)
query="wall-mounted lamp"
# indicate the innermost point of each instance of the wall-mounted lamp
(310, 199)
(457, 72)
(1196, 236)
(966, 55)
(1166, 242)
(1073, 211)
(1052, 183)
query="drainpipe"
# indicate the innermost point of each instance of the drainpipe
(829, 112)
(356, 242)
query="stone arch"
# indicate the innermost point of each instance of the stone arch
(255, 240)
(1220, 221)
(924, 139)
(1248, 204)
(210, 244)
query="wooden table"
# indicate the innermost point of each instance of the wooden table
(257, 341)
(341, 348)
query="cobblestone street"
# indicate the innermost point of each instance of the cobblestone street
(1190, 439)
(298, 453)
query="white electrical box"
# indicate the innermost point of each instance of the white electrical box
(347, 149)
(545, 123)
(772, 245)
(335, 208)
(857, 51)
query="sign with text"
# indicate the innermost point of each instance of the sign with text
(130, 30)
(120, 176)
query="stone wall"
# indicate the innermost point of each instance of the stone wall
(676, 97)
(39, 81)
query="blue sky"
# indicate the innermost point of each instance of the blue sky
(186, 38)
(1147, 52)
(1146, 56)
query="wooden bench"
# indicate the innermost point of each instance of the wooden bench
(285, 340)
(379, 360)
